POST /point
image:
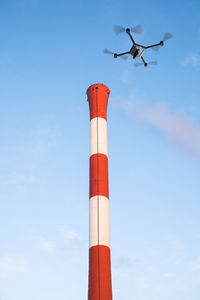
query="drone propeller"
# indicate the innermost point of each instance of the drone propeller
(152, 63)
(138, 64)
(166, 37)
(118, 29)
(137, 29)
(124, 57)
(106, 51)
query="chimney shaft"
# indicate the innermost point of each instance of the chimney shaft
(100, 286)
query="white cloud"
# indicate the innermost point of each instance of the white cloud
(192, 59)
(122, 262)
(179, 246)
(8, 266)
(126, 262)
(176, 127)
(196, 264)
(177, 249)
(169, 275)
(125, 76)
(23, 162)
(46, 244)
(66, 239)
(69, 235)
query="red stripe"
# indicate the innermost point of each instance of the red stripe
(99, 273)
(99, 175)
(98, 99)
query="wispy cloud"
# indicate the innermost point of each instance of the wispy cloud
(176, 126)
(125, 77)
(178, 250)
(122, 262)
(169, 275)
(65, 239)
(71, 237)
(196, 264)
(192, 59)
(21, 162)
(46, 244)
(7, 266)
(126, 262)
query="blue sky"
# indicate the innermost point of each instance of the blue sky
(50, 52)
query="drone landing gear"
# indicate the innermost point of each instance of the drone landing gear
(144, 62)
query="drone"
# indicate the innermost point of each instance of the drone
(136, 51)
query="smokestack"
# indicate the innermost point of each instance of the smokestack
(100, 286)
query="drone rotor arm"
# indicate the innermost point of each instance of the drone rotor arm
(166, 37)
(128, 32)
(121, 54)
(154, 45)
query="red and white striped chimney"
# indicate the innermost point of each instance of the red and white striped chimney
(100, 286)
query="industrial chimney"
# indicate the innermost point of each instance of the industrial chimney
(100, 286)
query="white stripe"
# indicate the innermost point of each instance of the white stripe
(101, 124)
(101, 204)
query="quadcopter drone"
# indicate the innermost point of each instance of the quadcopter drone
(137, 50)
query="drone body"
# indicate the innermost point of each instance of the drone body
(137, 50)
